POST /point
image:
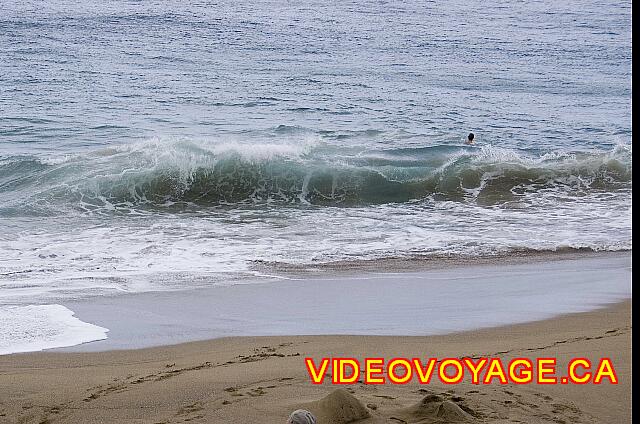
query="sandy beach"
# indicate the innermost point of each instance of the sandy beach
(262, 379)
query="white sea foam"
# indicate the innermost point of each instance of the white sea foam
(455, 200)
(37, 327)
(170, 151)
(170, 252)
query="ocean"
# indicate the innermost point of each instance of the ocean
(164, 145)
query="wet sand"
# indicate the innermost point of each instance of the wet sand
(262, 379)
(564, 307)
(377, 298)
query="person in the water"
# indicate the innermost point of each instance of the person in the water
(469, 139)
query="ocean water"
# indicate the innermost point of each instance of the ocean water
(164, 145)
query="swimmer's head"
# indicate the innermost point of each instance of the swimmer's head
(470, 137)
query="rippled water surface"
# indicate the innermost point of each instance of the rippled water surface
(167, 145)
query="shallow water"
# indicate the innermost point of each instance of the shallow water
(438, 301)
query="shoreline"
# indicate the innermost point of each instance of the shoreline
(262, 379)
(423, 302)
(434, 262)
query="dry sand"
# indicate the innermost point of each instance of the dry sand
(263, 379)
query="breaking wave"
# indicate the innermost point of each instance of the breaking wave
(160, 174)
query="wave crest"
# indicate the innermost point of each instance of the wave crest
(159, 173)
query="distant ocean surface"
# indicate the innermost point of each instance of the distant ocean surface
(165, 145)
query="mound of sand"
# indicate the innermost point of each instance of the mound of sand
(435, 409)
(338, 407)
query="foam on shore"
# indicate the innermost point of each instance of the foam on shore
(37, 327)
